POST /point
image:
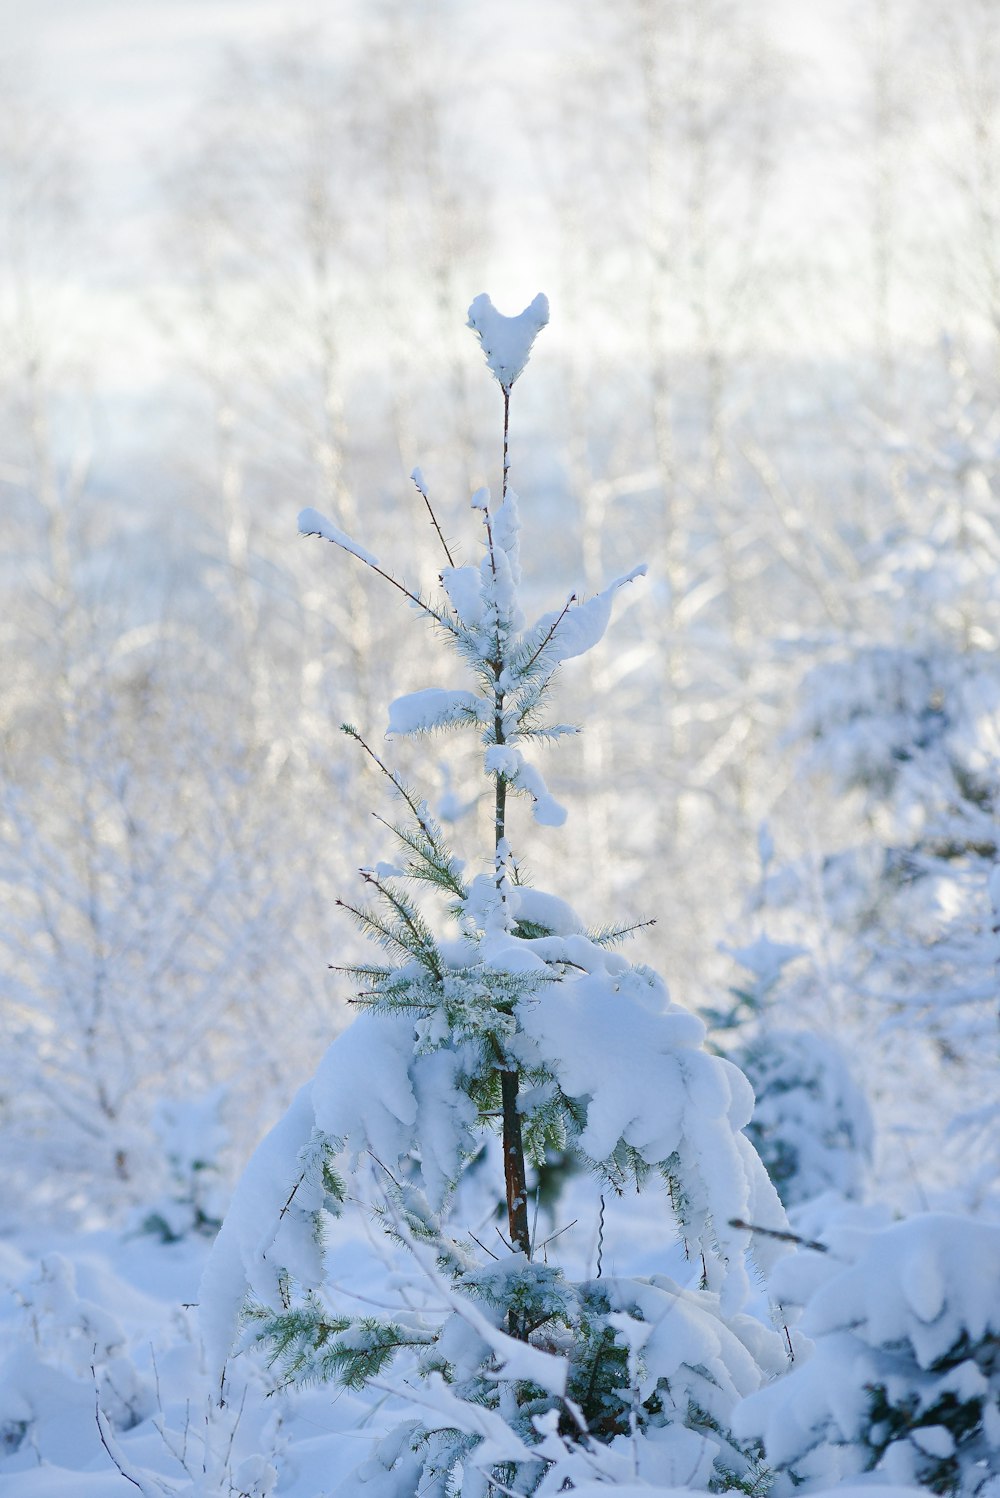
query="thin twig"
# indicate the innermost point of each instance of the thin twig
(618, 933)
(783, 1235)
(236, 1424)
(419, 486)
(291, 1196)
(425, 943)
(553, 1236)
(127, 1475)
(489, 540)
(421, 604)
(145, 1488)
(482, 1245)
(566, 608)
(379, 993)
(443, 864)
(390, 775)
(385, 1168)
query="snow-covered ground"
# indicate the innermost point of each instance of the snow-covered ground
(103, 1373)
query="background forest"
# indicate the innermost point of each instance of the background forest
(772, 252)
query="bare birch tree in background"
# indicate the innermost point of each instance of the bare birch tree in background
(136, 818)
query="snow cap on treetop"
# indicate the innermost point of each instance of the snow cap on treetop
(507, 341)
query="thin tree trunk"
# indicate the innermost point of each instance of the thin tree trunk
(515, 1183)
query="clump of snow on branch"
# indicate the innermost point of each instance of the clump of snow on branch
(507, 341)
(312, 523)
(434, 707)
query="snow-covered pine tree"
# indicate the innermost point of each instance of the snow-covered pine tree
(811, 1123)
(520, 1020)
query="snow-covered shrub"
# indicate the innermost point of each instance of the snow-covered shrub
(811, 1123)
(192, 1138)
(905, 1376)
(97, 1374)
(63, 1352)
(519, 1019)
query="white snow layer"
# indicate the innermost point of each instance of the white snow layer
(925, 1280)
(463, 586)
(501, 759)
(581, 628)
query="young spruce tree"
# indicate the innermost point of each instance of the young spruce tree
(516, 1378)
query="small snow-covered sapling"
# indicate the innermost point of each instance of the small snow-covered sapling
(520, 1017)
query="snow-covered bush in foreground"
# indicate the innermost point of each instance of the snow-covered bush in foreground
(514, 1375)
(64, 1352)
(103, 1388)
(905, 1376)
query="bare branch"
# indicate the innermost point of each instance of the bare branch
(565, 610)
(418, 481)
(370, 562)
(391, 775)
(781, 1234)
